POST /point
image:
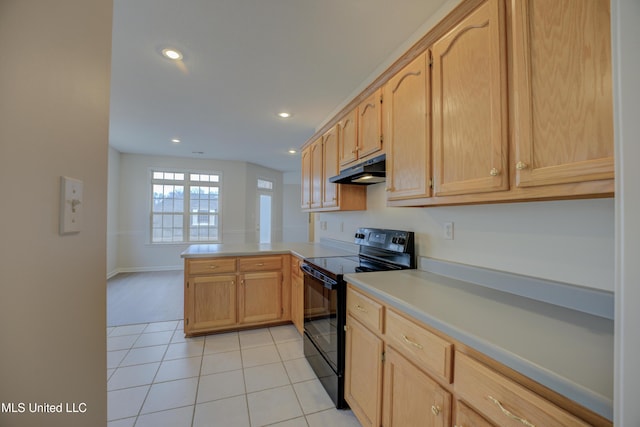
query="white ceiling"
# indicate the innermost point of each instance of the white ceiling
(244, 61)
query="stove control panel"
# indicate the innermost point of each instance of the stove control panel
(391, 240)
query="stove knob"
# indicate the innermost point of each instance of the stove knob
(401, 240)
(394, 240)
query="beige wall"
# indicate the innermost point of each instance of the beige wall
(54, 118)
(569, 241)
(133, 252)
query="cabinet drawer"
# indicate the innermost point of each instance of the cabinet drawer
(428, 350)
(260, 263)
(211, 265)
(364, 309)
(503, 401)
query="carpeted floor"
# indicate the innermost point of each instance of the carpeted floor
(145, 297)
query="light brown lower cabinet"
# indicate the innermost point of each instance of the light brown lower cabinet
(229, 293)
(426, 378)
(363, 367)
(467, 417)
(503, 401)
(260, 297)
(297, 295)
(411, 397)
(211, 302)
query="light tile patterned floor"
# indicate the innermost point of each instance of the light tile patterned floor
(252, 378)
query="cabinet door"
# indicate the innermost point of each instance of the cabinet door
(210, 303)
(330, 161)
(316, 174)
(406, 131)
(297, 303)
(363, 373)
(348, 138)
(469, 105)
(466, 416)
(306, 178)
(411, 397)
(260, 297)
(562, 85)
(370, 125)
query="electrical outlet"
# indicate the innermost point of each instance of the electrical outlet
(448, 231)
(323, 225)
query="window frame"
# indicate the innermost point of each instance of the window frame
(187, 183)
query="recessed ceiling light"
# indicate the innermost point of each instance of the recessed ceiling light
(172, 54)
(175, 141)
(284, 115)
(292, 151)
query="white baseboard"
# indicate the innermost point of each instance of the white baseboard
(144, 269)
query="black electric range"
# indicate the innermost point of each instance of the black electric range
(325, 298)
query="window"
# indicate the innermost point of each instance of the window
(185, 207)
(265, 190)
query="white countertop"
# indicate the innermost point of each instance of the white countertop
(566, 350)
(302, 250)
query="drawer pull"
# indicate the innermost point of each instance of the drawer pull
(415, 344)
(435, 409)
(509, 414)
(260, 264)
(213, 266)
(360, 308)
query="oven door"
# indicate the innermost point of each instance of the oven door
(321, 303)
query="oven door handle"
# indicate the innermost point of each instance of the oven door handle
(328, 282)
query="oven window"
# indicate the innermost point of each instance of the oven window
(320, 321)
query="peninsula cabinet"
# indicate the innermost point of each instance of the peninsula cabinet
(230, 293)
(320, 161)
(401, 372)
(563, 110)
(470, 140)
(407, 131)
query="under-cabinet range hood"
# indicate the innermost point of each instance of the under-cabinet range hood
(370, 171)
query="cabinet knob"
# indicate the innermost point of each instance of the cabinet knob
(435, 409)
(521, 165)
(494, 172)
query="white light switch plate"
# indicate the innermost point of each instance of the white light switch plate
(70, 205)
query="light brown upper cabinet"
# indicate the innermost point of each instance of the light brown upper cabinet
(317, 174)
(348, 136)
(319, 163)
(370, 125)
(306, 178)
(469, 90)
(406, 131)
(361, 131)
(563, 111)
(330, 165)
